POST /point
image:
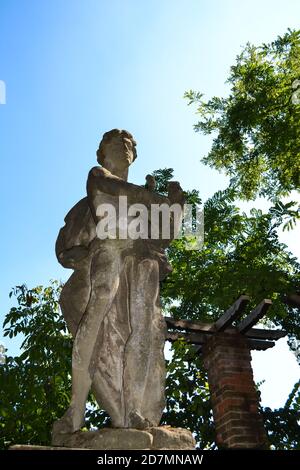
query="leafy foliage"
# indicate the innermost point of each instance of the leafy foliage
(282, 425)
(241, 254)
(187, 391)
(35, 386)
(257, 143)
(256, 128)
(286, 214)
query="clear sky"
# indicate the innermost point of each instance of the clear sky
(74, 69)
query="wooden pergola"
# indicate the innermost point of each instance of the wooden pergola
(225, 346)
(198, 333)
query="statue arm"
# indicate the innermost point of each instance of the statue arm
(71, 257)
(101, 180)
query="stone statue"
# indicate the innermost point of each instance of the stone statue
(111, 302)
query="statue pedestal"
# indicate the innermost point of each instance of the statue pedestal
(162, 437)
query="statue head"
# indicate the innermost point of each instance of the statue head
(117, 150)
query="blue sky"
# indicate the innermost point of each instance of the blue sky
(75, 69)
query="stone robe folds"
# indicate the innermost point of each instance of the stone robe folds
(128, 366)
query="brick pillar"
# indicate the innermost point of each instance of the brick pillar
(238, 423)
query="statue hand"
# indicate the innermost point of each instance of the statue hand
(72, 257)
(175, 193)
(150, 182)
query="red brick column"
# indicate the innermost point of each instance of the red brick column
(234, 398)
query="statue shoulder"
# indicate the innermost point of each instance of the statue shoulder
(97, 171)
(79, 210)
(79, 228)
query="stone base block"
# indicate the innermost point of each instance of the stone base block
(163, 437)
(32, 447)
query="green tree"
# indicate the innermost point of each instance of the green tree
(282, 425)
(256, 142)
(187, 395)
(35, 386)
(256, 128)
(241, 254)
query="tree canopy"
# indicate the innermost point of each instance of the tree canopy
(257, 142)
(256, 128)
(241, 254)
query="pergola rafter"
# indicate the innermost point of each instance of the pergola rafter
(198, 333)
(225, 347)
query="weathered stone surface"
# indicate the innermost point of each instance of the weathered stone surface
(111, 302)
(163, 437)
(166, 437)
(110, 439)
(32, 447)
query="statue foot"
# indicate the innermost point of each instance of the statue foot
(67, 424)
(137, 421)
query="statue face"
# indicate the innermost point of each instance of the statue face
(118, 153)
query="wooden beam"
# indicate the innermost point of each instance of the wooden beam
(198, 348)
(252, 343)
(193, 338)
(207, 328)
(198, 339)
(259, 333)
(254, 316)
(260, 345)
(188, 325)
(232, 313)
(293, 300)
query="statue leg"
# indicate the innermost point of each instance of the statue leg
(144, 363)
(74, 298)
(104, 280)
(153, 402)
(108, 378)
(73, 302)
